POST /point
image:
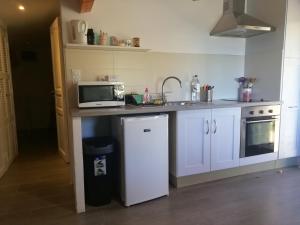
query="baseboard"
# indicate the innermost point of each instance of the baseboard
(6, 167)
(64, 156)
(179, 182)
(2, 171)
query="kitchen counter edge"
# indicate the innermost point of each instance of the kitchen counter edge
(127, 110)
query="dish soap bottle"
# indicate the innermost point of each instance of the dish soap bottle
(90, 37)
(146, 98)
(195, 89)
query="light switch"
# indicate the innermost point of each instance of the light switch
(76, 75)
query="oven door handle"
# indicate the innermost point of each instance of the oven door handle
(261, 121)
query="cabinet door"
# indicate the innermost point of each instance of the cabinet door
(193, 142)
(289, 125)
(289, 132)
(292, 44)
(225, 138)
(291, 82)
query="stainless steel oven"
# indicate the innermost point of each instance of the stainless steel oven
(259, 130)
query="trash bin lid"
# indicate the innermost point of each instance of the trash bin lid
(98, 145)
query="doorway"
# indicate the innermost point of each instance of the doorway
(33, 87)
(28, 26)
(38, 176)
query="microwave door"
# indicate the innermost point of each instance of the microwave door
(96, 93)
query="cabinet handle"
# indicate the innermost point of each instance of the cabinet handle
(293, 107)
(215, 130)
(207, 127)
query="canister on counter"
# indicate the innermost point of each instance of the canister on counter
(136, 42)
(209, 95)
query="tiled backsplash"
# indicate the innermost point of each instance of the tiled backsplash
(141, 70)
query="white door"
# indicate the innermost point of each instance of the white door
(225, 138)
(8, 115)
(193, 142)
(8, 139)
(3, 150)
(146, 165)
(59, 85)
(289, 125)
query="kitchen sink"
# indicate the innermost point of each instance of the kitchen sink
(176, 103)
(171, 103)
(183, 103)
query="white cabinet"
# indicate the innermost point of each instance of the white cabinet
(206, 140)
(289, 128)
(289, 132)
(144, 157)
(290, 93)
(292, 44)
(225, 139)
(192, 142)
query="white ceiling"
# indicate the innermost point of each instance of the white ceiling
(31, 24)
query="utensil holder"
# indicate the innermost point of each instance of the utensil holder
(209, 95)
(206, 95)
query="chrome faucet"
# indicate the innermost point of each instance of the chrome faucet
(162, 86)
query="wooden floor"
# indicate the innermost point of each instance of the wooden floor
(37, 191)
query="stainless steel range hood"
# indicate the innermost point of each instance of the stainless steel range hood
(235, 22)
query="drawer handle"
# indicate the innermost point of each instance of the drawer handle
(147, 130)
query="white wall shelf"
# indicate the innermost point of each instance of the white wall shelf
(105, 48)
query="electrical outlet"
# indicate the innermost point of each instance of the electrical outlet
(76, 75)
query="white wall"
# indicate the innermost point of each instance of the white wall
(177, 32)
(163, 25)
(141, 70)
(263, 58)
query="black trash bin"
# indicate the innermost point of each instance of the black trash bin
(98, 170)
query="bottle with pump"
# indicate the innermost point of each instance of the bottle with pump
(195, 89)
(146, 98)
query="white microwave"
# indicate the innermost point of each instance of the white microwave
(93, 94)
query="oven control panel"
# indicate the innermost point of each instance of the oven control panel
(256, 111)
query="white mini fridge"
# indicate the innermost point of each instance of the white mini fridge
(143, 143)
